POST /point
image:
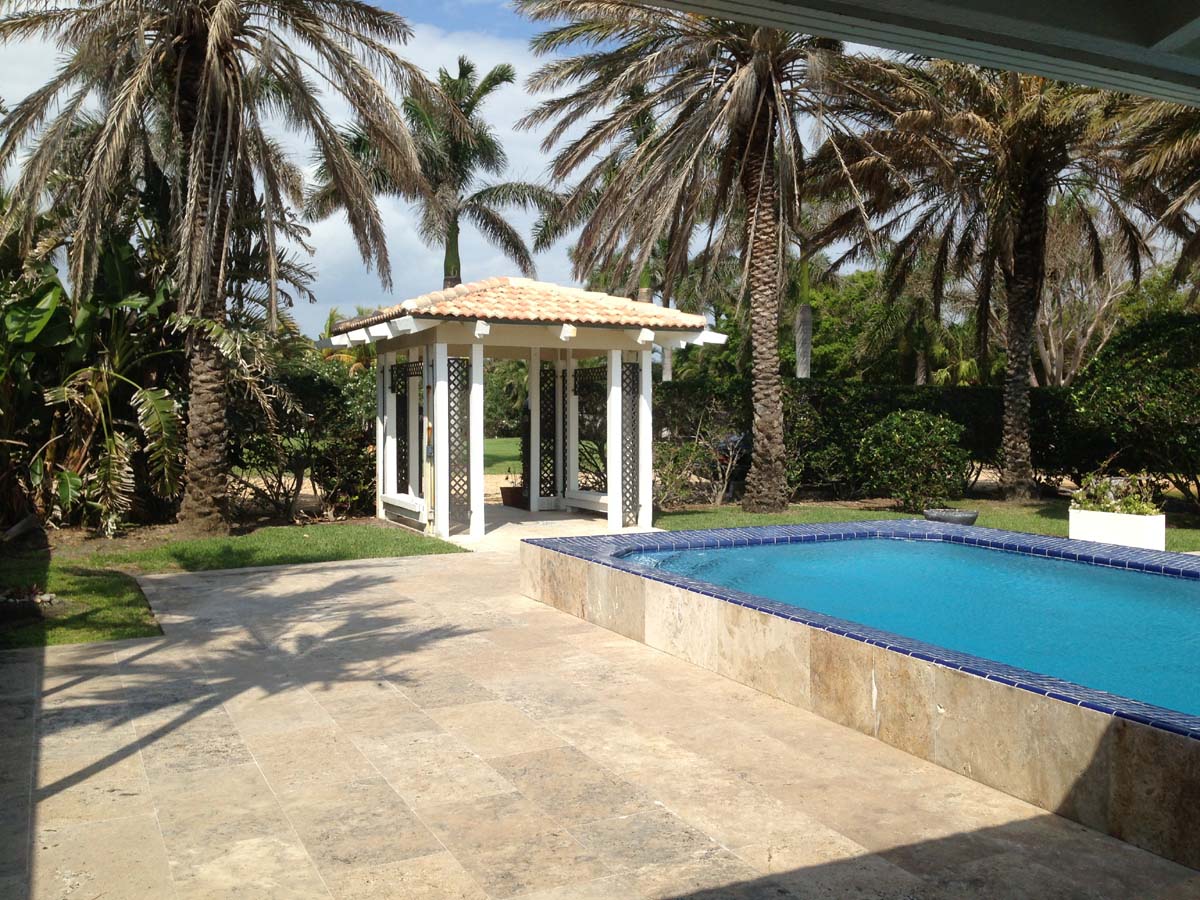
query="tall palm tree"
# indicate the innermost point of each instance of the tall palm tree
(969, 161)
(726, 153)
(452, 157)
(189, 85)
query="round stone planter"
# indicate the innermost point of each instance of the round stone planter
(953, 516)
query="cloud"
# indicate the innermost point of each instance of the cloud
(342, 279)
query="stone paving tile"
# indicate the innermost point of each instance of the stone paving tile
(489, 823)
(72, 791)
(357, 823)
(494, 728)
(644, 839)
(438, 876)
(334, 731)
(429, 768)
(570, 786)
(308, 756)
(432, 690)
(549, 859)
(718, 875)
(607, 888)
(117, 858)
(208, 741)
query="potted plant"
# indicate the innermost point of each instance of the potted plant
(512, 493)
(1119, 509)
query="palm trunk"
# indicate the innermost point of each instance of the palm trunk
(983, 313)
(203, 509)
(766, 485)
(1024, 299)
(452, 262)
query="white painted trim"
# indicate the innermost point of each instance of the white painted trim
(441, 441)
(390, 448)
(534, 385)
(359, 336)
(409, 325)
(564, 332)
(612, 463)
(482, 329)
(589, 500)
(407, 502)
(645, 517)
(380, 394)
(572, 448)
(475, 441)
(642, 335)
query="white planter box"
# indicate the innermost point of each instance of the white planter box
(1147, 532)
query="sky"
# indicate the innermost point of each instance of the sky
(488, 32)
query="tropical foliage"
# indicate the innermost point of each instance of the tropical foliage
(174, 100)
(689, 124)
(455, 145)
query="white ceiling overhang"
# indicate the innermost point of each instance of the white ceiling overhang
(1149, 47)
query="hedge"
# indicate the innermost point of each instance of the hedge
(824, 423)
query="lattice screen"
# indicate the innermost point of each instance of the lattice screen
(591, 387)
(630, 388)
(566, 429)
(459, 383)
(547, 433)
(401, 385)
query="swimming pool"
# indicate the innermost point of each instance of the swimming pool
(1127, 633)
(1031, 664)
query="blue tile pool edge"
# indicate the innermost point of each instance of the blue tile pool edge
(611, 550)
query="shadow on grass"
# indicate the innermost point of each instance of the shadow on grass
(91, 604)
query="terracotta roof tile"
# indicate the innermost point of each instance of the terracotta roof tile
(508, 299)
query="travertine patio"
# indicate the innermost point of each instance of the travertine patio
(416, 728)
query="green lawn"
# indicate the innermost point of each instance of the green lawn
(1044, 517)
(98, 599)
(500, 455)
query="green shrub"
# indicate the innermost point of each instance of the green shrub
(1134, 495)
(1142, 394)
(915, 457)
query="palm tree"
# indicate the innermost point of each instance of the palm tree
(187, 88)
(969, 161)
(725, 154)
(452, 157)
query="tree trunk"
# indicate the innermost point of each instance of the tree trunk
(1024, 289)
(922, 374)
(204, 508)
(766, 485)
(452, 265)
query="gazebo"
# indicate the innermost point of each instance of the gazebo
(589, 384)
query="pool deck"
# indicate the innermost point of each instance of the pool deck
(416, 728)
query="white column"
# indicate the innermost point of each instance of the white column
(380, 426)
(534, 385)
(560, 406)
(441, 441)
(389, 426)
(613, 462)
(475, 441)
(645, 439)
(572, 448)
(414, 461)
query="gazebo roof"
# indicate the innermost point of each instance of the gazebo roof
(525, 301)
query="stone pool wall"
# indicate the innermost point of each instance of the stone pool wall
(1129, 779)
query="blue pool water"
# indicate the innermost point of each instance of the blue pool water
(1128, 633)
